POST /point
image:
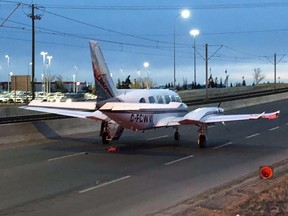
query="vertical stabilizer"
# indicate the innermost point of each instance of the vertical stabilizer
(105, 87)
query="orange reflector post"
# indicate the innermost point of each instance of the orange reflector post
(265, 172)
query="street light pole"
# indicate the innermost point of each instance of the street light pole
(8, 68)
(43, 53)
(194, 33)
(49, 69)
(76, 78)
(184, 14)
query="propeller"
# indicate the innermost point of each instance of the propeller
(227, 128)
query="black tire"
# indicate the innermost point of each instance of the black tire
(176, 136)
(104, 138)
(202, 141)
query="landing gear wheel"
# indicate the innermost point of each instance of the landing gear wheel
(105, 137)
(202, 141)
(176, 135)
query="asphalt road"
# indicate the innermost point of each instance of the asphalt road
(77, 176)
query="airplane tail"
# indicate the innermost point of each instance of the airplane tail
(105, 91)
(105, 87)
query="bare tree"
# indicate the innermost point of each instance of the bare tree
(143, 83)
(59, 84)
(258, 76)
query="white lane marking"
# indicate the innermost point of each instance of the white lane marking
(154, 138)
(178, 160)
(67, 156)
(105, 184)
(226, 144)
(275, 128)
(253, 135)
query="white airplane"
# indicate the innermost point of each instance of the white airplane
(138, 110)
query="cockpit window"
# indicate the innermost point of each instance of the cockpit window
(151, 99)
(160, 99)
(167, 99)
(142, 100)
(178, 99)
(173, 98)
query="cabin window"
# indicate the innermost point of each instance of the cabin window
(160, 100)
(173, 98)
(142, 100)
(151, 99)
(167, 99)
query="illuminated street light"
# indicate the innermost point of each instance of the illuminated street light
(185, 14)
(194, 33)
(8, 69)
(146, 64)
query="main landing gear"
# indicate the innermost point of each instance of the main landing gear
(106, 137)
(105, 132)
(176, 135)
(110, 131)
(201, 137)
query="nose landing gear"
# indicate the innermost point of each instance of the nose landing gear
(176, 135)
(201, 137)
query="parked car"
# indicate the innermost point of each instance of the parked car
(4, 98)
(69, 97)
(52, 97)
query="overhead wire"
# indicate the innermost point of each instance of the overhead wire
(157, 42)
(163, 7)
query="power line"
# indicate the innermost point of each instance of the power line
(107, 30)
(18, 5)
(157, 8)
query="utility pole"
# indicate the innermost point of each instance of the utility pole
(206, 70)
(275, 71)
(275, 64)
(33, 18)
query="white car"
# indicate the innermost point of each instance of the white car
(4, 98)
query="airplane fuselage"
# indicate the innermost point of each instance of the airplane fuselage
(139, 115)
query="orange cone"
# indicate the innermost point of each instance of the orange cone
(266, 172)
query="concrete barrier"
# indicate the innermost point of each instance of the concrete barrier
(236, 104)
(49, 129)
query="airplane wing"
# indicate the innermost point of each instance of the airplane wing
(80, 109)
(225, 118)
(214, 118)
